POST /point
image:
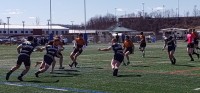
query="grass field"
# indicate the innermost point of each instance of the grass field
(152, 74)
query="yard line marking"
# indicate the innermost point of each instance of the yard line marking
(13, 84)
(56, 89)
(197, 89)
(50, 87)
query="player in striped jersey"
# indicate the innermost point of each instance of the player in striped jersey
(24, 50)
(118, 55)
(51, 52)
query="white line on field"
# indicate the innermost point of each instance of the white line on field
(13, 84)
(50, 87)
(197, 89)
(56, 89)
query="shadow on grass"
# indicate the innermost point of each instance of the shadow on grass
(130, 76)
(59, 74)
(140, 66)
(37, 81)
(185, 65)
(34, 81)
(151, 57)
(68, 70)
(91, 67)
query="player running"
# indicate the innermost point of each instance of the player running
(61, 48)
(171, 46)
(118, 56)
(24, 50)
(51, 52)
(142, 43)
(78, 49)
(196, 42)
(128, 48)
(190, 46)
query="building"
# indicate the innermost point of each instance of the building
(32, 30)
(179, 32)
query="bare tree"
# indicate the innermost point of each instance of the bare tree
(187, 14)
(195, 11)
(139, 14)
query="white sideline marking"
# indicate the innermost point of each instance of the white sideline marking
(14, 84)
(51, 87)
(44, 88)
(197, 89)
(56, 89)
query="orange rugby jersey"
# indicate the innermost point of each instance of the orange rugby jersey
(128, 43)
(79, 42)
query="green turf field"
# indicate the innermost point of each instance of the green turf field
(152, 74)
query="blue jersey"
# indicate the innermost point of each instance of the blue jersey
(117, 48)
(27, 48)
(51, 50)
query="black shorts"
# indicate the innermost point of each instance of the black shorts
(196, 42)
(78, 50)
(171, 48)
(190, 45)
(60, 54)
(48, 59)
(130, 49)
(142, 45)
(25, 59)
(119, 57)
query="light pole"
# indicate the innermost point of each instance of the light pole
(72, 27)
(85, 35)
(50, 16)
(48, 25)
(195, 10)
(143, 10)
(116, 13)
(163, 11)
(4, 27)
(23, 26)
(178, 8)
(8, 19)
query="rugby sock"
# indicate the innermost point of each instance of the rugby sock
(174, 60)
(8, 74)
(191, 57)
(115, 72)
(195, 53)
(21, 75)
(36, 74)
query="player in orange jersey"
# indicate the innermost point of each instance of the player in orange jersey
(128, 48)
(78, 49)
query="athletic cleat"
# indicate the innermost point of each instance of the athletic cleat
(115, 72)
(61, 67)
(36, 74)
(75, 64)
(70, 65)
(192, 60)
(20, 78)
(128, 63)
(7, 76)
(174, 61)
(124, 63)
